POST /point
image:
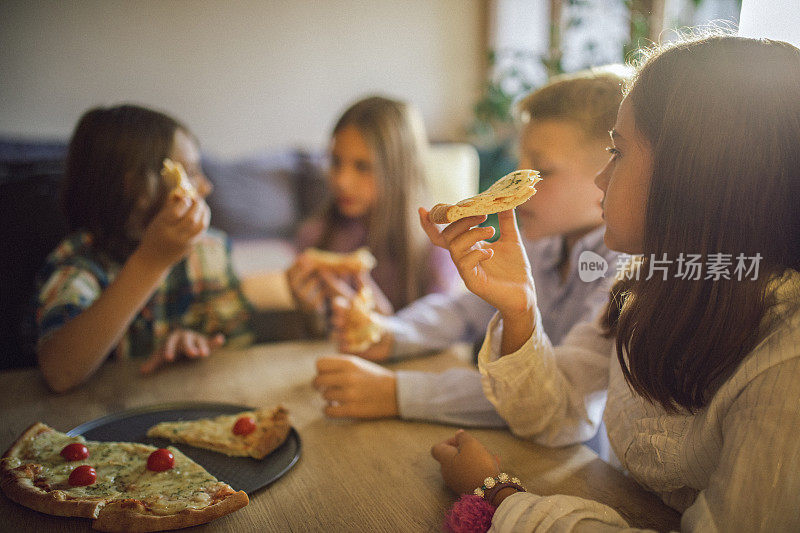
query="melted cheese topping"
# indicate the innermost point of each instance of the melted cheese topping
(176, 178)
(121, 473)
(358, 260)
(517, 183)
(361, 330)
(214, 433)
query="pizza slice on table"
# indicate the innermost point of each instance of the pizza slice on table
(123, 486)
(248, 434)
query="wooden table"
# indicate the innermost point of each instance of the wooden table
(352, 475)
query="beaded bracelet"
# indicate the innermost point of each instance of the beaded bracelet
(492, 485)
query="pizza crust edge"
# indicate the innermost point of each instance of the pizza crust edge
(272, 429)
(132, 515)
(18, 485)
(126, 514)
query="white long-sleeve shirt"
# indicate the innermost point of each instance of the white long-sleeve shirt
(437, 321)
(732, 466)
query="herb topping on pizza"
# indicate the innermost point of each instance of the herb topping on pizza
(506, 193)
(247, 434)
(113, 483)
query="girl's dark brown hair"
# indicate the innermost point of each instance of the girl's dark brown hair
(112, 173)
(722, 117)
(393, 130)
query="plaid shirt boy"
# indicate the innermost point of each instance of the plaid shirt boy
(201, 293)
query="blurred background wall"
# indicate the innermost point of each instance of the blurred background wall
(242, 74)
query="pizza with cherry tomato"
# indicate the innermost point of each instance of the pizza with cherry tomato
(248, 434)
(123, 486)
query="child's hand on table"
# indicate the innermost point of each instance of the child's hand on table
(465, 462)
(355, 388)
(182, 343)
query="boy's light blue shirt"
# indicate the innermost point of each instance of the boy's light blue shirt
(437, 321)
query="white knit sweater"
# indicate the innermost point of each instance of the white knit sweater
(732, 466)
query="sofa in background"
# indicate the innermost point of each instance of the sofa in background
(31, 225)
(452, 169)
(259, 201)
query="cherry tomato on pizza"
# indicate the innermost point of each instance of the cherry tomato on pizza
(160, 460)
(82, 476)
(244, 426)
(75, 452)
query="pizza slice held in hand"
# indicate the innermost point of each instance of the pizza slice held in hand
(361, 328)
(506, 193)
(248, 434)
(177, 180)
(356, 262)
(123, 486)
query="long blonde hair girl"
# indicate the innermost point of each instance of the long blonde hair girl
(395, 134)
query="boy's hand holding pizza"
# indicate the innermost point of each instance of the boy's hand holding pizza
(378, 349)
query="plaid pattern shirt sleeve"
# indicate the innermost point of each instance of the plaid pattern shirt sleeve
(70, 281)
(200, 293)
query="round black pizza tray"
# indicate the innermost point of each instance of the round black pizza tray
(241, 473)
